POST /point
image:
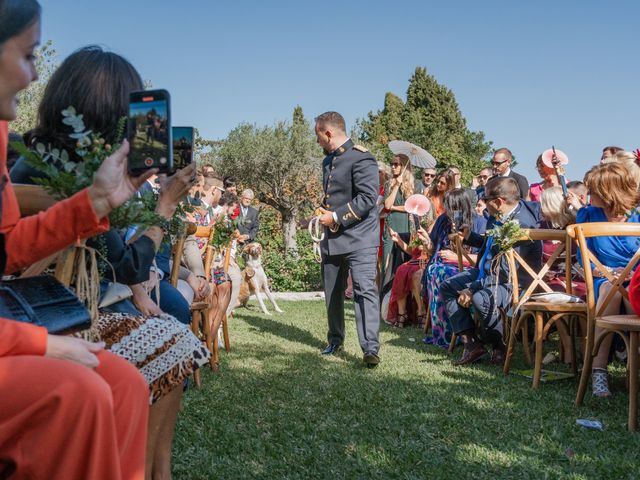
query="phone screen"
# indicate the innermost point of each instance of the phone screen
(182, 147)
(150, 131)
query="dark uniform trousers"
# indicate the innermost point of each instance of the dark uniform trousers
(335, 270)
(485, 301)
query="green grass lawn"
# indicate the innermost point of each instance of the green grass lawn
(277, 409)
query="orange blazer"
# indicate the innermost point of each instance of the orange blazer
(33, 238)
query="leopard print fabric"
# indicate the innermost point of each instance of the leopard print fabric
(164, 350)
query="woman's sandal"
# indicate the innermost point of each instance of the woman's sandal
(421, 319)
(600, 383)
(402, 318)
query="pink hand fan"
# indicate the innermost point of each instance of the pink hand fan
(547, 157)
(417, 204)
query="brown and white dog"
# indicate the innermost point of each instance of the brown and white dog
(254, 280)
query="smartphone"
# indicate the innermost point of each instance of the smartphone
(149, 132)
(182, 147)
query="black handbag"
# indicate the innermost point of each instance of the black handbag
(40, 300)
(45, 302)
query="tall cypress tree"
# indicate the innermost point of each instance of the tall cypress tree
(430, 118)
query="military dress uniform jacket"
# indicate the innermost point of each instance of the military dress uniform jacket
(351, 183)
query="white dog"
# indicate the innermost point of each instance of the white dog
(254, 280)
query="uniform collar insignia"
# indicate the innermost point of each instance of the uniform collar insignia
(342, 148)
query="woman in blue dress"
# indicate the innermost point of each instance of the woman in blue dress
(614, 197)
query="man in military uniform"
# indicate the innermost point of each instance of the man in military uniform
(351, 236)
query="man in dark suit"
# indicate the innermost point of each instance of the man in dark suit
(351, 235)
(501, 166)
(249, 221)
(484, 287)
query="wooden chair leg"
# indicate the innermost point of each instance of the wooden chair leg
(511, 345)
(586, 370)
(225, 333)
(452, 345)
(537, 369)
(427, 321)
(525, 341)
(632, 357)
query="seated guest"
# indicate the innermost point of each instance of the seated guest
(487, 287)
(614, 193)
(249, 221)
(98, 84)
(444, 261)
(404, 285)
(549, 180)
(501, 167)
(578, 196)
(557, 213)
(84, 407)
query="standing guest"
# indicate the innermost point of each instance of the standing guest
(443, 183)
(396, 192)
(482, 178)
(484, 288)
(249, 221)
(350, 181)
(501, 167)
(428, 176)
(608, 152)
(549, 180)
(614, 194)
(470, 192)
(86, 408)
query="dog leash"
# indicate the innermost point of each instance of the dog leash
(316, 231)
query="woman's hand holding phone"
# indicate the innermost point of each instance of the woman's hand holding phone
(112, 183)
(174, 188)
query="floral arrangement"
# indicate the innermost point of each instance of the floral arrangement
(63, 177)
(224, 231)
(508, 234)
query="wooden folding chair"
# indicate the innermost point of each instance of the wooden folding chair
(545, 314)
(199, 310)
(627, 326)
(209, 256)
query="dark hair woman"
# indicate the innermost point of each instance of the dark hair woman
(444, 182)
(98, 414)
(97, 84)
(458, 211)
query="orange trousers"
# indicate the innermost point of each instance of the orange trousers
(60, 420)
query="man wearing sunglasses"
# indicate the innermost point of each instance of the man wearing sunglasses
(501, 167)
(484, 176)
(487, 286)
(428, 176)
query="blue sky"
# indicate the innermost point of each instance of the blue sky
(528, 74)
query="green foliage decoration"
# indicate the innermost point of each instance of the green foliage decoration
(64, 176)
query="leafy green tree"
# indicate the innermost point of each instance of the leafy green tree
(29, 99)
(430, 118)
(281, 163)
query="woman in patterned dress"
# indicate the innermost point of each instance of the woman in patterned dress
(443, 264)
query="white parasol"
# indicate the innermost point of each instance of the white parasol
(418, 157)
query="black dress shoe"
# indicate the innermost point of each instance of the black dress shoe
(371, 360)
(331, 349)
